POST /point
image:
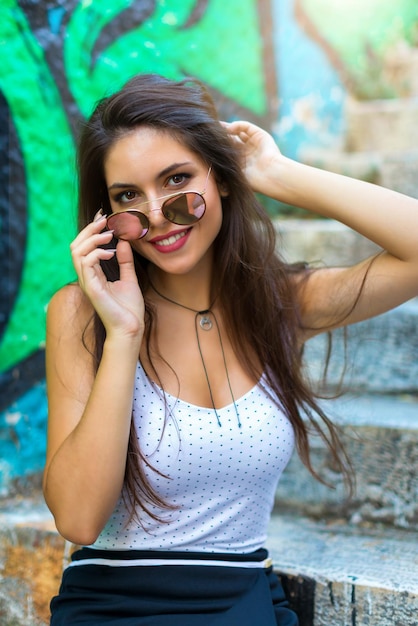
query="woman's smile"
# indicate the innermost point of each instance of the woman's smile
(170, 242)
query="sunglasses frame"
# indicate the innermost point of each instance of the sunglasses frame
(165, 199)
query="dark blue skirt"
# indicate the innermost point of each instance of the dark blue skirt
(170, 595)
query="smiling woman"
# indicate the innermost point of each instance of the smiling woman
(175, 384)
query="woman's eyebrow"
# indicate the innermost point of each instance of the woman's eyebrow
(162, 173)
(121, 186)
(172, 167)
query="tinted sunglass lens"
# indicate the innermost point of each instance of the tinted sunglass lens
(129, 226)
(184, 209)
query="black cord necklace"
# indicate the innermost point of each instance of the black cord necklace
(204, 320)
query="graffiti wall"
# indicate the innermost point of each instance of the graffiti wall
(57, 59)
(280, 63)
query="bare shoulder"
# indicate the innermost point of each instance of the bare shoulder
(70, 333)
(323, 295)
(69, 357)
(70, 304)
(69, 314)
(333, 297)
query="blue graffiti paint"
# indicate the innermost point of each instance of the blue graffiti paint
(311, 93)
(55, 17)
(22, 437)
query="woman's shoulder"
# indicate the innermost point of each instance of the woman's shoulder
(71, 298)
(70, 308)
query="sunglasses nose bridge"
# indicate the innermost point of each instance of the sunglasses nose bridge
(155, 213)
(153, 205)
(155, 209)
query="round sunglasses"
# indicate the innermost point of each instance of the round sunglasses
(181, 208)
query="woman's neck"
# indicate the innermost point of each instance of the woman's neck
(192, 290)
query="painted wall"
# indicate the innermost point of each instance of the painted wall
(271, 61)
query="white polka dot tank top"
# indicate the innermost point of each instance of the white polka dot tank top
(221, 479)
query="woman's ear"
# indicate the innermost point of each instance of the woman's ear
(223, 190)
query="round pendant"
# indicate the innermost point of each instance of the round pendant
(205, 322)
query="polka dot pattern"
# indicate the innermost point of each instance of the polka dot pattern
(221, 478)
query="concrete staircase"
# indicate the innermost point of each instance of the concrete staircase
(337, 575)
(343, 563)
(355, 562)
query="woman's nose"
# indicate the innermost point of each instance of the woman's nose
(155, 214)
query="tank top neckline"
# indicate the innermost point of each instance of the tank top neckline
(176, 399)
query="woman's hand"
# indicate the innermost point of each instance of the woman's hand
(261, 156)
(120, 303)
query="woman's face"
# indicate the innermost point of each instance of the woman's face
(145, 165)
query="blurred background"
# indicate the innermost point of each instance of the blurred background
(336, 83)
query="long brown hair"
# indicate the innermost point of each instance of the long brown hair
(254, 286)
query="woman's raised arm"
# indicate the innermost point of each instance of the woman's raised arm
(387, 218)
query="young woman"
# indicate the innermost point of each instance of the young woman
(174, 364)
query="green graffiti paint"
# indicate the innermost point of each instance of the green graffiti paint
(220, 44)
(48, 154)
(223, 47)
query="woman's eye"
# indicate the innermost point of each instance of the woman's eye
(126, 196)
(179, 179)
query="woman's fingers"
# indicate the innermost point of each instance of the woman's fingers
(259, 152)
(242, 130)
(94, 228)
(87, 253)
(89, 240)
(84, 246)
(126, 261)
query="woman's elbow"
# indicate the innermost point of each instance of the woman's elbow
(77, 532)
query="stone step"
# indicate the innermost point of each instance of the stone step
(321, 242)
(379, 355)
(334, 574)
(381, 438)
(32, 555)
(337, 575)
(396, 170)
